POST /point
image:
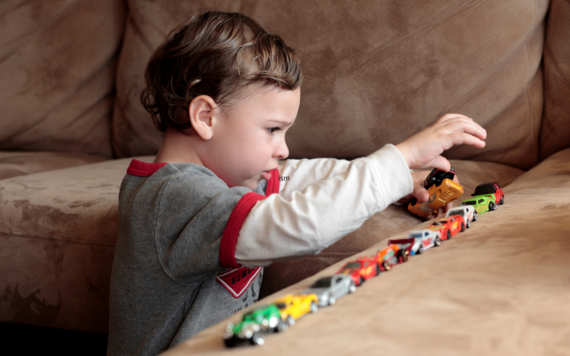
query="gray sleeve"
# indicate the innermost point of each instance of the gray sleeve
(193, 212)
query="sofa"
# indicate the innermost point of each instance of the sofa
(376, 72)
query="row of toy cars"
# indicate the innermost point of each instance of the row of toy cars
(284, 312)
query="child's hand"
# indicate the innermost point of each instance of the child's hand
(421, 193)
(424, 149)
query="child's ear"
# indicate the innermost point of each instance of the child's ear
(201, 113)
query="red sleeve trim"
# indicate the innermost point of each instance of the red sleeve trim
(231, 232)
(273, 184)
(143, 169)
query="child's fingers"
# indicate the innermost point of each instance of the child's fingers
(447, 117)
(462, 138)
(462, 125)
(420, 193)
(439, 162)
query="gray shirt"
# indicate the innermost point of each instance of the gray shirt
(165, 284)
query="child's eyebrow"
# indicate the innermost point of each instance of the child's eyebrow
(282, 123)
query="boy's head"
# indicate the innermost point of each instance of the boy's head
(217, 54)
(227, 91)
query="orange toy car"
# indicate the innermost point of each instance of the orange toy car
(442, 190)
(391, 256)
(361, 269)
(448, 226)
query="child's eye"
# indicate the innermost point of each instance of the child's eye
(273, 129)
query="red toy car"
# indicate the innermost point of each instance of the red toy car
(448, 226)
(491, 188)
(391, 256)
(361, 269)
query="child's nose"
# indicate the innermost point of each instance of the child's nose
(282, 151)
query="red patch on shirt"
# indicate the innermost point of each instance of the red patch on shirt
(236, 281)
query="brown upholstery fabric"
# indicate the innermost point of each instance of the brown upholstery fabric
(391, 221)
(500, 288)
(14, 164)
(375, 71)
(555, 134)
(58, 231)
(57, 64)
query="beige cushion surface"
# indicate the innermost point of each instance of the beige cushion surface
(500, 288)
(384, 224)
(58, 231)
(555, 128)
(376, 72)
(57, 74)
(14, 164)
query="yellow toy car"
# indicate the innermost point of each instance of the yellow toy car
(441, 192)
(294, 306)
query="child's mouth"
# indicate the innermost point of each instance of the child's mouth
(266, 175)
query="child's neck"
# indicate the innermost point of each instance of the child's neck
(178, 148)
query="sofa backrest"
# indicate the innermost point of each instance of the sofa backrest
(376, 72)
(555, 128)
(57, 69)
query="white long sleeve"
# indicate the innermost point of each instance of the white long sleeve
(297, 223)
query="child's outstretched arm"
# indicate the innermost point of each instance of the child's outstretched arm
(307, 221)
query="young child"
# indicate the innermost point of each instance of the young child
(198, 224)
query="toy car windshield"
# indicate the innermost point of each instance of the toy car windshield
(352, 265)
(322, 283)
(484, 189)
(280, 305)
(437, 176)
(469, 203)
(416, 235)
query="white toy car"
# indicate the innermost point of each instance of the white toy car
(418, 241)
(467, 212)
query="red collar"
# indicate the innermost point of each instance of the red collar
(143, 169)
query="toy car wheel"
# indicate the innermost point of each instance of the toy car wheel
(475, 216)
(448, 235)
(361, 281)
(231, 342)
(462, 227)
(314, 307)
(290, 320)
(377, 270)
(468, 224)
(257, 339)
(413, 202)
(281, 326)
(437, 242)
(420, 250)
(352, 288)
(502, 201)
(331, 300)
(386, 266)
(492, 206)
(404, 254)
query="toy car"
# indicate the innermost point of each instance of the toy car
(442, 190)
(491, 188)
(467, 212)
(293, 307)
(361, 269)
(329, 289)
(481, 203)
(391, 256)
(448, 226)
(262, 320)
(418, 241)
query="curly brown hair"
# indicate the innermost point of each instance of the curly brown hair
(216, 54)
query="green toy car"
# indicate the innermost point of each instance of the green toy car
(481, 203)
(254, 325)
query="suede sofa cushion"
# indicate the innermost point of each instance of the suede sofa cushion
(376, 72)
(555, 129)
(13, 164)
(58, 231)
(500, 288)
(391, 221)
(57, 64)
